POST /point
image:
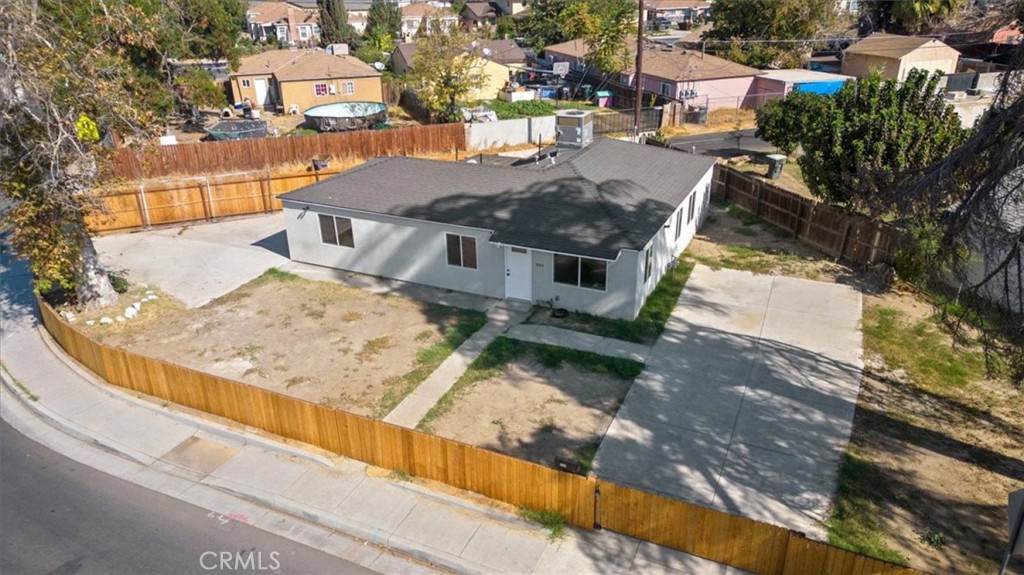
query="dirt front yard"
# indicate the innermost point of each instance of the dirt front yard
(937, 444)
(535, 402)
(319, 341)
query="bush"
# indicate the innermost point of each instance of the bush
(118, 282)
(513, 110)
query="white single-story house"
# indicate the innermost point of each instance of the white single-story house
(592, 233)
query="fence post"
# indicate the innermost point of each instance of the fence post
(209, 199)
(874, 245)
(143, 208)
(799, 215)
(757, 197)
(846, 238)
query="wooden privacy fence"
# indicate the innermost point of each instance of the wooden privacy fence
(852, 238)
(494, 475)
(584, 501)
(243, 155)
(189, 199)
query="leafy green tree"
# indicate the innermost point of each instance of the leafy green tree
(785, 123)
(873, 136)
(334, 26)
(196, 87)
(603, 25)
(504, 27)
(445, 73)
(386, 16)
(376, 46)
(209, 28)
(543, 25)
(908, 16)
(790, 22)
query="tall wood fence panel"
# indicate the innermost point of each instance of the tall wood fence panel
(494, 475)
(743, 543)
(852, 238)
(204, 198)
(241, 155)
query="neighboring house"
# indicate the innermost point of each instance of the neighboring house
(296, 80)
(594, 233)
(414, 15)
(504, 52)
(290, 24)
(895, 56)
(847, 6)
(1010, 35)
(477, 15)
(510, 7)
(678, 10)
(697, 79)
(775, 84)
(357, 21)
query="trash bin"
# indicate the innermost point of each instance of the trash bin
(587, 90)
(775, 163)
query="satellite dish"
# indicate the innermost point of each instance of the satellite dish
(379, 66)
(487, 52)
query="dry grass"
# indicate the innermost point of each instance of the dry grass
(718, 121)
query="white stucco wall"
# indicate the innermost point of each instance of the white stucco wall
(407, 250)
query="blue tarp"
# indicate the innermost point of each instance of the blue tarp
(823, 88)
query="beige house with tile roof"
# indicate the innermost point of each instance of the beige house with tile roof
(277, 80)
(895, 56)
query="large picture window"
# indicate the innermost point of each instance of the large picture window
(461, 251)
(320, 89)
(336, 231)
(580, 272)
(693, 207)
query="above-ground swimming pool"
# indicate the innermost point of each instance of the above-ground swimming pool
(343, 116)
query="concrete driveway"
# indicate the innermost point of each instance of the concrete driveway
(747, 401)
(198, 263)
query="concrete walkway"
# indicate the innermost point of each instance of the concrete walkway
(326, 502)
(499, 318)
(550, 335)
(747, 400)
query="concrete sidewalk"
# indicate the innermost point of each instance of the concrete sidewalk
(337, 505)
(412, 409)
(550, 335)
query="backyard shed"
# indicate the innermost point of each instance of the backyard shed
(895, 56)
(593, 233)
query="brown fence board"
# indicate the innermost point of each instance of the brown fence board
(848, 237)
(242, 155)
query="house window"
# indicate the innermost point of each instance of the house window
(580, 272)
(303, 32)
(461, 251)
(667, 89)
(648, 263)
(679, 223)
(246, 83)
(320, 89)
(693, 204)
(336, 231)
(348, 87)
(282, 33)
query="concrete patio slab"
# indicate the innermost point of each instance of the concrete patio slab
(747, 400)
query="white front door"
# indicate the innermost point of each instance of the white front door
(518, 281)
(261, 91)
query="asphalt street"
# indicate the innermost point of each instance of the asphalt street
(60, 517)
(723, 143)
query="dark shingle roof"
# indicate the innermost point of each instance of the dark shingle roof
(611, 196)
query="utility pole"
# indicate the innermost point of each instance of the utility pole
(637, 76)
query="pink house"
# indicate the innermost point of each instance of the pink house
(1011, 34)
(700, 80)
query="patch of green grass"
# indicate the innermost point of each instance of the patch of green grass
(17, 383)
(749, 259)
(495, 357)
(274, 274)
(749, 219)
(464, 324)
(551, 520)
(400, 475)
(651, 321)
(854, 523)
(922, 349)
(585, 456)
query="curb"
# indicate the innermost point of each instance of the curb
(193, 417)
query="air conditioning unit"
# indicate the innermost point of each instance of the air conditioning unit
(332, 90)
